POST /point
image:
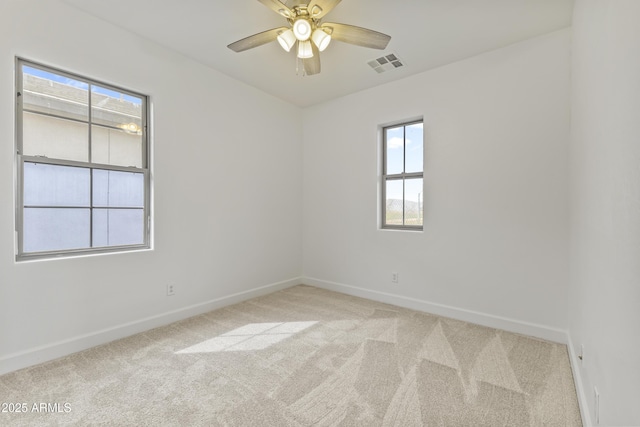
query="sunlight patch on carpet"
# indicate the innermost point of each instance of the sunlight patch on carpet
(254, 336)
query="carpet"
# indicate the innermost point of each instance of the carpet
(299, 357)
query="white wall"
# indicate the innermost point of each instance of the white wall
(605, 208)
(227, 181)
(495, 238)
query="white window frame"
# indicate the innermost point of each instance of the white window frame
(398, 176)
(21, 159)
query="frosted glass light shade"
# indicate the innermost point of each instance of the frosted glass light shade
(302, 29)
(304, 49)
(287, 39)
(321, 39)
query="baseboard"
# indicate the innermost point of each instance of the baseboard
(48, 352)
(577, 380)
(497, 322)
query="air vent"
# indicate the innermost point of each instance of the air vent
(386, 63)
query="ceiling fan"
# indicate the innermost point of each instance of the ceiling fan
(309, 33)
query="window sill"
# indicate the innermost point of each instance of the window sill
(23, 259)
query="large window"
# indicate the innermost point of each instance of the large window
(402, 176)
(83, 174)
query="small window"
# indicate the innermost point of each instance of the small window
(83, 174)
(402, 176)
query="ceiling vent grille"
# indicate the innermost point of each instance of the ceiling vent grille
(386, 63)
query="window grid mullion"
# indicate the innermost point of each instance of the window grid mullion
(91, 207)
(404, 149)
(90, 149)
(404, 171)
(75, 163)
(90, 123)
(403, 204)
(124, 208)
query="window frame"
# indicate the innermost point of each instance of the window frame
(403, 176)
(22, 159)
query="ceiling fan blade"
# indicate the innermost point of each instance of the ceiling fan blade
(278, 7)
(318, 8)
(312, 65)
(256, 40)
(357, 35)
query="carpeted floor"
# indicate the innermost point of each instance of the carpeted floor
(304, 356)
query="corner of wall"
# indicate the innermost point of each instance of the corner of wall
(578, 382)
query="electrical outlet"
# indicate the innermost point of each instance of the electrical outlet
(171, 290)
(596, 405)
(394, 277)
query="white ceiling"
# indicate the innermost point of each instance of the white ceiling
(425, 34)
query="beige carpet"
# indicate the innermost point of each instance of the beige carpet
(304, 356)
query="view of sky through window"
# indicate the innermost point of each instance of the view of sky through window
(79, 84)
(405, 154)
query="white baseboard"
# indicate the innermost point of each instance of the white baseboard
(497, 322)
(577, 379)
(48, 352)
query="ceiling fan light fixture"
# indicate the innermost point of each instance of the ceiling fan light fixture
(305, 28)
(287, 39)
(321, 39)
(304, 49)
(302, 29)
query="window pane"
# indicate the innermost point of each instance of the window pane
(116, 109)
(52, 185)
(395, 150)
(115, 147)
(393, 203)
(118, 189)
(50, 93)
(55, 138)
(85, 131)
(414, 148)
(49, 229)
(118, 227)
(413, 200)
